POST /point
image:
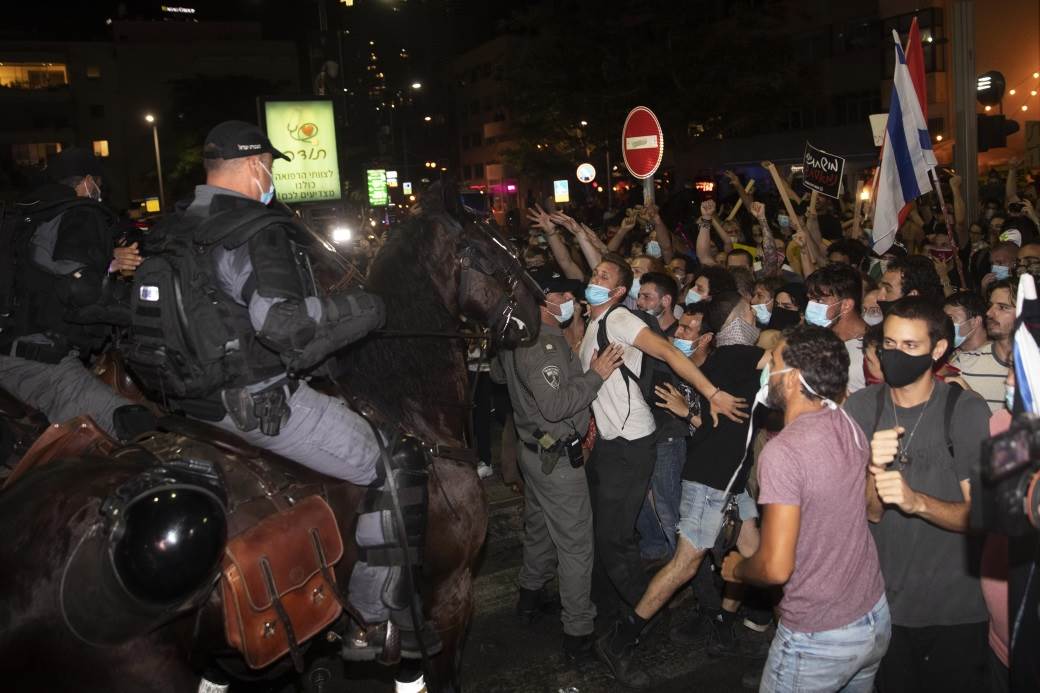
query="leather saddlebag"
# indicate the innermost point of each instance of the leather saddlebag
(276, 594)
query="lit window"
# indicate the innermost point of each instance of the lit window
(93, 72)
(33, 154)
(33, 75)
(101, 148)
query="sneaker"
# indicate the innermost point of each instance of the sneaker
(484, 470)
(694, 631)
(576, 647)
(722, 637)
(757, 627)
(621, 665)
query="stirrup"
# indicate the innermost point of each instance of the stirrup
(380, 642)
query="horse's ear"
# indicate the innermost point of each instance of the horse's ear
(443, 196)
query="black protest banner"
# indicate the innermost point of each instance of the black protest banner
(823, 171)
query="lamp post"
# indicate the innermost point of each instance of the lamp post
(150, 119)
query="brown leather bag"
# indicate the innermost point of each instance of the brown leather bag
(275, 591)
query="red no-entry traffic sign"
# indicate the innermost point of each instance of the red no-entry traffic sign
(642, 142)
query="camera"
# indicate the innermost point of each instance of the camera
(1016, 207)
(1011, 478)
(572, 446)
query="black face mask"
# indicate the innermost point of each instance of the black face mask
(783, 318)
(901, 368)
(885, 306)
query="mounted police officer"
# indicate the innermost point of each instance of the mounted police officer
(225, 311)
(57, 292)
(551, 396)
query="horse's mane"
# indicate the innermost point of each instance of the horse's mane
(390, 370)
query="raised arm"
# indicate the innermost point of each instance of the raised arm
(664, 234)
(591, 253)
(704, 253)
(770, 260)
(744, 193)
(627, 224)
(556, 243)
(1011, 184)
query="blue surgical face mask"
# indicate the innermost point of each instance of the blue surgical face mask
(762, 312)
(693, 297)
(1009, 396)
(1000, 271)
(684, 345)
(783, 220)
(958, 336)
(816, 314)
(633, 291)
(653, 249)
(266, 195)
(566, 311)
(596, 295)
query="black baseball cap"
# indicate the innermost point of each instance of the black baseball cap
(234, 139)
(552, 282)
(72, 162)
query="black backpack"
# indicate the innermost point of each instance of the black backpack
(650, 374)
(18, 222)
(186, 335)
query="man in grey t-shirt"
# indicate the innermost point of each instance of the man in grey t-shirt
(924, 456)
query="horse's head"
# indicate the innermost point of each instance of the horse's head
(489, 283)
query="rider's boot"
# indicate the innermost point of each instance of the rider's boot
(400, 636)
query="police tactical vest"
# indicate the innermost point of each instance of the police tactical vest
(189, 339)
(27, 288)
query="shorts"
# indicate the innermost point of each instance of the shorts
(700, 513)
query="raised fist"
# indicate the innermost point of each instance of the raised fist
(707, 209)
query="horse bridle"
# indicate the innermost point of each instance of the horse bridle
(509, 274)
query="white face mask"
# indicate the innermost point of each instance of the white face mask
(566, 311)
(94, 194)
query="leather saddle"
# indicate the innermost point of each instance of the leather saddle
(278, 586)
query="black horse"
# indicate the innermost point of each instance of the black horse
(438, 269)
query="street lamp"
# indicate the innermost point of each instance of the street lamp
(150, 119)
(416, 85)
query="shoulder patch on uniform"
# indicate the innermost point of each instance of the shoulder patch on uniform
(548, 346)
(552, 376)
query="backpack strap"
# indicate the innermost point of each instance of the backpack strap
(878, 410)
(951, 404)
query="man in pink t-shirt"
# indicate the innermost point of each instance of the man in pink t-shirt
(834, 619)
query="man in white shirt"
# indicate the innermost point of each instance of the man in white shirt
(974, 357)
(624, 451)
(835, 294)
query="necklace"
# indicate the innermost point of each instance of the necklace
(902, 460)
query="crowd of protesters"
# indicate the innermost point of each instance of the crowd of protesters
(832, 399)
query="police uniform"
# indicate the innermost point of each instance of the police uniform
(551, 396)
(51, 297)
(280, 325)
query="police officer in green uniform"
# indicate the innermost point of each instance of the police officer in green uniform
(551, 396)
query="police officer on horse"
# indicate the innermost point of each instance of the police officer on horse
(226, 321)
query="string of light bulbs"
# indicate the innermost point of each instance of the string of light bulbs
(1014, 92)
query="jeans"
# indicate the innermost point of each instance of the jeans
(660, 512)
(842, 659)
(700, 513)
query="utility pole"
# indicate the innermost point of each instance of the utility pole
(966, 158)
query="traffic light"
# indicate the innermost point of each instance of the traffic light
(993, 131)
